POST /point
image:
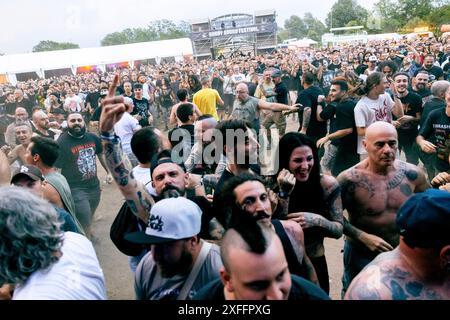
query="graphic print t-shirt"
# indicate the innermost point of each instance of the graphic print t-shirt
(77, 159)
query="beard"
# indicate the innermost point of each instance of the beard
(171, 191)
(420, 86)
(180, 268)
(77, 131)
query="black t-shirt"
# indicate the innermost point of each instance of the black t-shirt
(251, 88)
(334, 67)
(180, 137)
(345, 119)
(301, 289)
(77, 159)
(437, 130)
(282, 93)
(93, 98)
(25, 103)
(96, 114)
(412, 104)
(141, 107)
(425, 94)
(308, 98)
(216, 84)
(50, 133)
(10, 108)
(361, 68)
(431, 105)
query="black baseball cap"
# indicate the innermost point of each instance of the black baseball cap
(30, 171)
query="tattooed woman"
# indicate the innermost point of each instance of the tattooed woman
(315, 201)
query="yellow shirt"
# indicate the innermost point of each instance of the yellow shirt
(206, 100)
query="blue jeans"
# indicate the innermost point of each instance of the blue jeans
(356, 257)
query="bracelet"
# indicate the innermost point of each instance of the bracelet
(107, 133)
(200, 184)
(114, 139)
(283, 195)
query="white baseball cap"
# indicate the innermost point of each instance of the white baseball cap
(170, 219)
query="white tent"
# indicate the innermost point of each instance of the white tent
(302, 43)
(73, 58)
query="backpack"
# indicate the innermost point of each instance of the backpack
(124, 223)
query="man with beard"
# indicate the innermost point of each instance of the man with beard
(179, 262)
(419, 85)
(372, 192)
(41, 125)
(434, 71)
(239, 146)
(77, 160)
(407, 125)
(246, 195)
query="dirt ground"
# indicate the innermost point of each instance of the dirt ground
(118, 276)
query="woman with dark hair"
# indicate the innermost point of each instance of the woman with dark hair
(194, 84)
(315, 201)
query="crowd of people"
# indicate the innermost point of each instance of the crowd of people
(205, 216)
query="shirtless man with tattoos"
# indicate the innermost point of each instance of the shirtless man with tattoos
(372, 192)
(419, 268)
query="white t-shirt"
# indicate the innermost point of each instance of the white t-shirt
(76, 276)
(73, 104)
(125, 128)
(368, 111)
(144, 175)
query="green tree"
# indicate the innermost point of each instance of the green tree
(308, 26)
(156, 30)
(404, 15)
(344, 11)
(48, 45)
(314, 26)
(282, 34)
(295, 27)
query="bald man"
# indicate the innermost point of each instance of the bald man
(41, 125)
(372, 192)
(246, 107)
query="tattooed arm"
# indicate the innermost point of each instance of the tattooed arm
(296, 237)
(136, 195)
(306, 119)
(332, 228)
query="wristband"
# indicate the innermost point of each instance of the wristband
(114, 139)
(283, 195)
(107, 133)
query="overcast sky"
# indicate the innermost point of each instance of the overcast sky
(85, 22)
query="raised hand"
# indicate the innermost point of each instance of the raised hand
(113, 108)
(286, 181)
